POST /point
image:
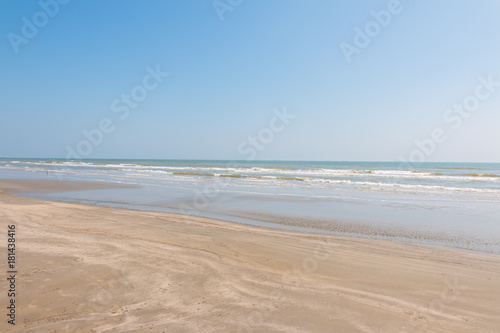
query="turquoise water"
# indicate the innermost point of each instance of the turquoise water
(447, 204)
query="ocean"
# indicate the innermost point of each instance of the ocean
(453, 205)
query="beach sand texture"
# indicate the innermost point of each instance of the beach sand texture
(95, 269)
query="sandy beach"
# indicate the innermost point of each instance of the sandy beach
(94, 269)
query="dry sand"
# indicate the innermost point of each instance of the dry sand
(93, 269)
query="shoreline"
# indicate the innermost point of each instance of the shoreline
(83, 267)
(35, 187)
(270, 226)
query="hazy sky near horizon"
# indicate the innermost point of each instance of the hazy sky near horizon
(66, 70)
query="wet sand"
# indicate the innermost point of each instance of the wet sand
(94, 269)
(18, 186)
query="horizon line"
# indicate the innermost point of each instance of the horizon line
(236, 160)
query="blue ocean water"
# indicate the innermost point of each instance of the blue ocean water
(448, 204)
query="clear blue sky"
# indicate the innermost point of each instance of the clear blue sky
(226, 77)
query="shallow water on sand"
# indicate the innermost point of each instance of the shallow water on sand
(446, 204)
